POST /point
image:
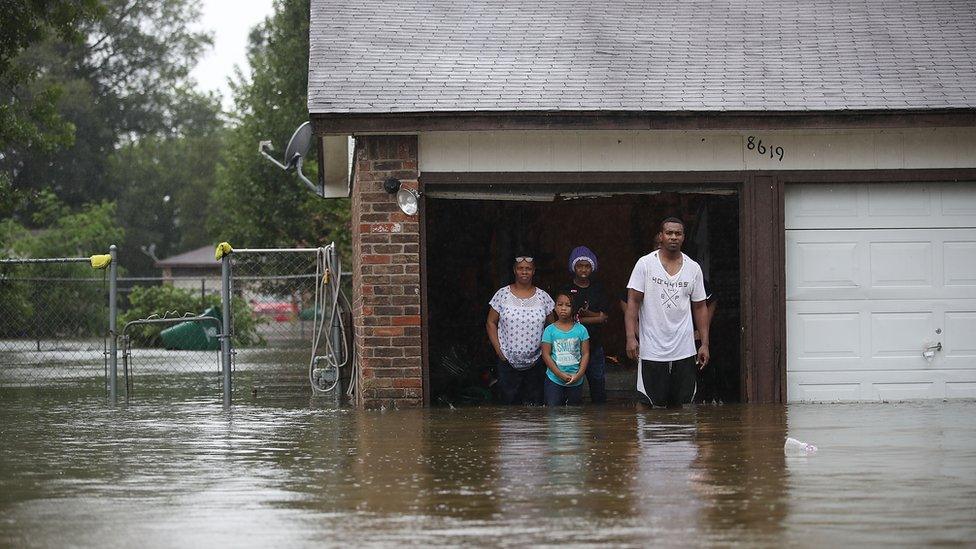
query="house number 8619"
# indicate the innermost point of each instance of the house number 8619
(763, 150)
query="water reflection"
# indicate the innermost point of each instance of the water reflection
(610, 470)
(740, 473)
(164, 473)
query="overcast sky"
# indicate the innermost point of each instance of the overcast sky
(230, 21)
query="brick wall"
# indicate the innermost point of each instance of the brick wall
(386, 276)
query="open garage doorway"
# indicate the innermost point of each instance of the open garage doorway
(470, 243)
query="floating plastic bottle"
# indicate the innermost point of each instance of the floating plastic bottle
(798, 448)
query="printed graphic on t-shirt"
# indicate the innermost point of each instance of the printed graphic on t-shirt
(669, 298)
(578, 301)
(568, 351)
(670, 292)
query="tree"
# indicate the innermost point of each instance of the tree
(89, 231)
(31, 121)
(163, 187)
(126, 79)
(255, 203)
(25, 22)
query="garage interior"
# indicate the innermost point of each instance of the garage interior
(473, 233)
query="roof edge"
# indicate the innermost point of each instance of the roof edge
(162, 263)
(405, 122)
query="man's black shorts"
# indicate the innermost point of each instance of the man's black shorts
(669, 383)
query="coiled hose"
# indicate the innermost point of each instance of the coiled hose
(328, 288)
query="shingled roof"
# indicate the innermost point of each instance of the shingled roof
(438, 56)
(200, 257)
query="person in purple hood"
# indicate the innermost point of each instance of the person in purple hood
(590, 306)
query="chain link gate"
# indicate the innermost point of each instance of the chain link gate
(174, 341)
(187, 361)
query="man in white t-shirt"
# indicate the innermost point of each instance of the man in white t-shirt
(666, 288)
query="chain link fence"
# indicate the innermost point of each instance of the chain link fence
(273, 347)
(53, 323)
(55, 326)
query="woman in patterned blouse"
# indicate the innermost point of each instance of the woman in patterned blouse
(517, 316)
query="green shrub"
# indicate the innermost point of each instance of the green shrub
(55, 300)
(170, 301)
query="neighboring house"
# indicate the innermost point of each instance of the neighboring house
(193, 270)
(830, 145)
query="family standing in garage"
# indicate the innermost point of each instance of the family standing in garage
(666, 320)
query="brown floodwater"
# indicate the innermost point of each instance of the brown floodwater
(162, 473)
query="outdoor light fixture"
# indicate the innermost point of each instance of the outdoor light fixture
(407, 199)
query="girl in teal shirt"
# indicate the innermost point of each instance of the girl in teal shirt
(565, 350)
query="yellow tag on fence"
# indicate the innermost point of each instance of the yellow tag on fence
(223, 249)
(101, 261)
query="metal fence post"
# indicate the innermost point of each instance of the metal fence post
(225, 345)
(35, 297)
(113, 349)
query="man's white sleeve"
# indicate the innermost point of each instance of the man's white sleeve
(698, 290)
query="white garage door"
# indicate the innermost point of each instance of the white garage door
(875, 274)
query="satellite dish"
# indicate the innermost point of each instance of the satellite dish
(298, 145)
(334, 153)
(296, 150)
